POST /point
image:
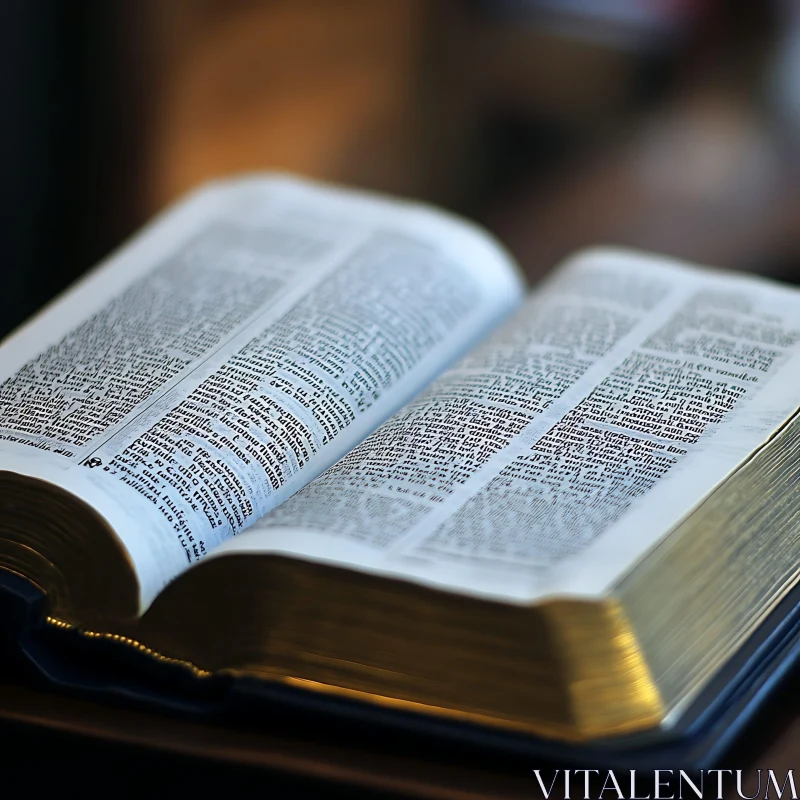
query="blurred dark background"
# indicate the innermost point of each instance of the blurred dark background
(670, 125)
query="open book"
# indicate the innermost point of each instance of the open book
(322, 438)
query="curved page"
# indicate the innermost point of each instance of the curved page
(238, 347)
(557, 454)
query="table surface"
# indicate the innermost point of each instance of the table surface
(40, 727)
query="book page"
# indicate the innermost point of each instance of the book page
(559, 452)
(237, 348)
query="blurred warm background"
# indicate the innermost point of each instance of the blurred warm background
(665, 124)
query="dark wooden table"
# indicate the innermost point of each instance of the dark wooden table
(59, 741)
